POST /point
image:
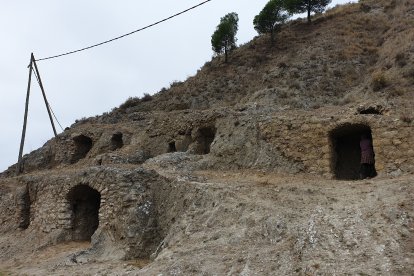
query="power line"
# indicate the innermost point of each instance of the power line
(122, 36)
(55, 117)
(48, 104)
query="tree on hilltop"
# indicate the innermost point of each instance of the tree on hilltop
(224, 38)
(300, 6)
(270, 19)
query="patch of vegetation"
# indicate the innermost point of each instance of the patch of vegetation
(271, 18)
(175, 83)
(308, 6)
(282, 65)
(82, 120)
(134, 101)
(146, 98)
(365, 8)
(401, 59)
(409, 74)
(163, 90)
(379, 81)
(130, 102)
(406, 118)
(224, 39)
(395, 92)
(140, 263)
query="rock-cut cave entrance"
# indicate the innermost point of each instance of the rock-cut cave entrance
(205, 137)
(345, 150)
(172, 147)
(83, 144)
(84, 203)
(117, 141)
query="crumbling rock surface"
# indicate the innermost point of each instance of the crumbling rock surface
(127, 208)
(240, 170)
(232, 223)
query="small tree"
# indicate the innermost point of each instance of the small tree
(300, 6)
(270, 18)
(224, 38)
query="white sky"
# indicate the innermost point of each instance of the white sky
(92, 82)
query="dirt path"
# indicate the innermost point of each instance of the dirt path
(253, 223)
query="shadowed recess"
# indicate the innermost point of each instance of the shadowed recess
(205, 138)
(345, 150)
(83, 144)
(117, 141)
(84, 204)
(172, 147)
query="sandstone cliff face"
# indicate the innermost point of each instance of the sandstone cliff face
(261, 138)
(246, 168)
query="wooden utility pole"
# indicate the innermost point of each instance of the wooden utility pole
(19, 162)
(44, 96)
(32, 66)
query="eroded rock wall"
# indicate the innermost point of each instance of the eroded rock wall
(128, 218)
(288, 141)
(301, 142)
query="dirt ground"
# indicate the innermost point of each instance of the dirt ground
(254, 223)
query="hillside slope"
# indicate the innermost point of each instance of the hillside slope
(246, 168)
(257, 224)
(350, 54)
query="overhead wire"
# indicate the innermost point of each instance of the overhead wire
(51, 109)
(108, 41)
(48, 104)
(125, 35)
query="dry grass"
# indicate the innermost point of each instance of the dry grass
(140, 263)
(379, 81)
(369, 43)
(401, 59)
(406, 118)
(130, 102)
(409, 74)
(135, 101)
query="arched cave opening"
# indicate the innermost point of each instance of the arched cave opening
(172, 147)
(205, 137)
(83, 144)
(345, 150)
(84, 203)
(117, 141)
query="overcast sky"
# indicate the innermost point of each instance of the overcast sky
(92, 82)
